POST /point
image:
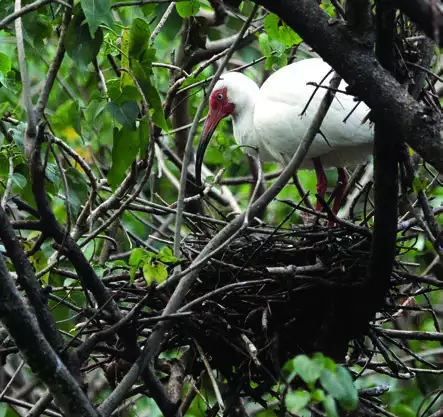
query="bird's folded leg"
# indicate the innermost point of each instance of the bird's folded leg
(322, 182)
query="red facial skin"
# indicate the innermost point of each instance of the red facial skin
(219, 108)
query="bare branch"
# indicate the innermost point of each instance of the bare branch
(24, 329)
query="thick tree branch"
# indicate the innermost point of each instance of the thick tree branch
(354, 60)
(29, 283)
(23, 328)
(358, 15)
(385, 181)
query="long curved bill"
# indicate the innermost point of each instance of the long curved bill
(211, 124)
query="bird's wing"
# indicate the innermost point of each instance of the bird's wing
(281, 117)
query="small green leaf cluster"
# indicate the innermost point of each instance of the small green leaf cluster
(276, 41)
(187, 8)
(152, 264)
(325, 383)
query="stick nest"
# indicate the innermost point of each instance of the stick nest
(267, 297)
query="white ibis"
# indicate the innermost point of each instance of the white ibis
(273, 119)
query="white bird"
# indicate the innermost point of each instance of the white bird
(273, 119)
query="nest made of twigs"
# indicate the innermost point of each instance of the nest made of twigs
(271, 295)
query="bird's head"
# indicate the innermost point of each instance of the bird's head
(227, 98)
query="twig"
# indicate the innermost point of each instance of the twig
(411, 335)
(24, 404)
(210, 374)
(9, 183)
(162, 22)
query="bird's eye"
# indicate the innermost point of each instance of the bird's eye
(219, 96)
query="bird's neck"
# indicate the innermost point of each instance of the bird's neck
(242, 123)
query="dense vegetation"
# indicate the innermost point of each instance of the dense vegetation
(127, 290)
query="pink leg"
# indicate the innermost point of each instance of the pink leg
(322, 181)
(342, 183)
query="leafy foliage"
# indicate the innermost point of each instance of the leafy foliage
(326, 382)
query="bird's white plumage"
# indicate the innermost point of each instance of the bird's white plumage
(270, 118)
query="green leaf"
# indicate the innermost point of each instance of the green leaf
(297, 400)
(119, 94)
(328, 363)
(97, 12)
(79, 43)
(187, 8)
(4, 165)
(67, 115)
(77, 187)
(265, 47)
(124, 151)
(146, 59)
(18, 134)
(11, 81)
(5, 63)
(330, 406)
(96, 106)
(157, 114)
(19, 180)
(279, 31)
(139, 36)
(114, 89)
(132, 273)
(318, 395)
(341, 386)
(151, 94)
(126, 113)
(165, 255)
(148, 9)
(154, 273)
(419, 184)
(402, 410)
(139, 255)
(308, 370)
